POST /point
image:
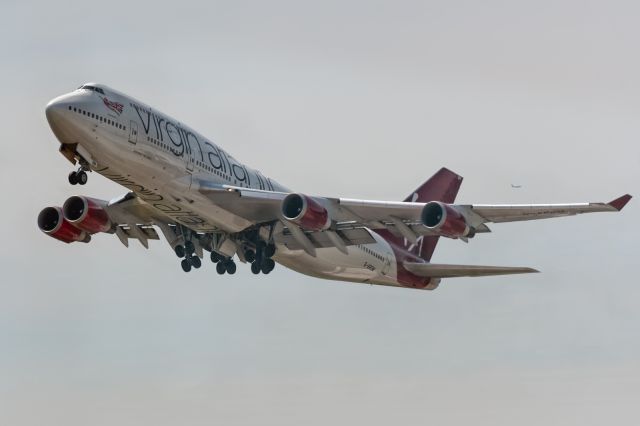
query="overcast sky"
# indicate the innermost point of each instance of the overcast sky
(340, 98)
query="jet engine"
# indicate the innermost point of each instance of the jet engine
(87, 214)
(305, 212)
(445, 220)
(51, 221)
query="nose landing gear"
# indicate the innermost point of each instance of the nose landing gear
(78, 177)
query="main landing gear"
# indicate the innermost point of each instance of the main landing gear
(261, 259)
(259, 255)
(190, 258)
(78, 177)
(223, 264)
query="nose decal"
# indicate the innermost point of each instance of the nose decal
(113, 106)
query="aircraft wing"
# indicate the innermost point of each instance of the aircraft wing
(403, 219)
(136, 219)
(498, 213)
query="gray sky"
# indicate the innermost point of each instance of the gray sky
(340, 98)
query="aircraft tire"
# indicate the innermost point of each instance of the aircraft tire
(73, 178)
(186, 265)
(270, 250)
(220, 268)
(179, 250)
(255, 268)
(196, 262)
(231, 267)
(215, 257)
(189, 247)
(82, 177)
(250, 255)
(269, 264)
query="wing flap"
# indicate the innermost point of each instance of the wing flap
(349, 237)
(434, 270)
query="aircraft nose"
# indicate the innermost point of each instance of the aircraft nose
(54, 110)
(59, 114)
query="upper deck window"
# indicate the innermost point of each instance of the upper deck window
(90, 87)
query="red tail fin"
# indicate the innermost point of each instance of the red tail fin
(443, 186)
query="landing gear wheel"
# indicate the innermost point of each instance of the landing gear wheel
(231, 267)
(196, 262)
(82, 177)
(189, 247)
(267, 266)
(270, 250)
(179, 250)
(220, 268)
(73, 178)
(186, 265)
(271, 264)
(255, 268)
(215, 257)
(250, 255)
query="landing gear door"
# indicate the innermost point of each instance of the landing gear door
(133, 132)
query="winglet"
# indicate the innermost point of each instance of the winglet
(620, 202)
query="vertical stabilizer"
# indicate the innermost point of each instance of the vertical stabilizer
(442, 186)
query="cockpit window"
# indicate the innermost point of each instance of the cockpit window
(90, 87)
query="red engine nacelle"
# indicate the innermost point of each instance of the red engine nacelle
(305, 212)
(445, 220)
(51, 221)
(87, 214)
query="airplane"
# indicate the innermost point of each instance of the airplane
(203, 200)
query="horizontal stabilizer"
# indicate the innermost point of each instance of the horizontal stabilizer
(434, 270)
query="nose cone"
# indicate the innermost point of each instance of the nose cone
(55, 111)
(60, 116)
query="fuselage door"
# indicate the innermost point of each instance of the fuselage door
(188, 155)
(133, 132)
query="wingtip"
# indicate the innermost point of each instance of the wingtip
(620, 202)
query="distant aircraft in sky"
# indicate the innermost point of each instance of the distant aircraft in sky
(516, 186)
(204, 200)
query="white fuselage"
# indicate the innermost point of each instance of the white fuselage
(164, 163)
